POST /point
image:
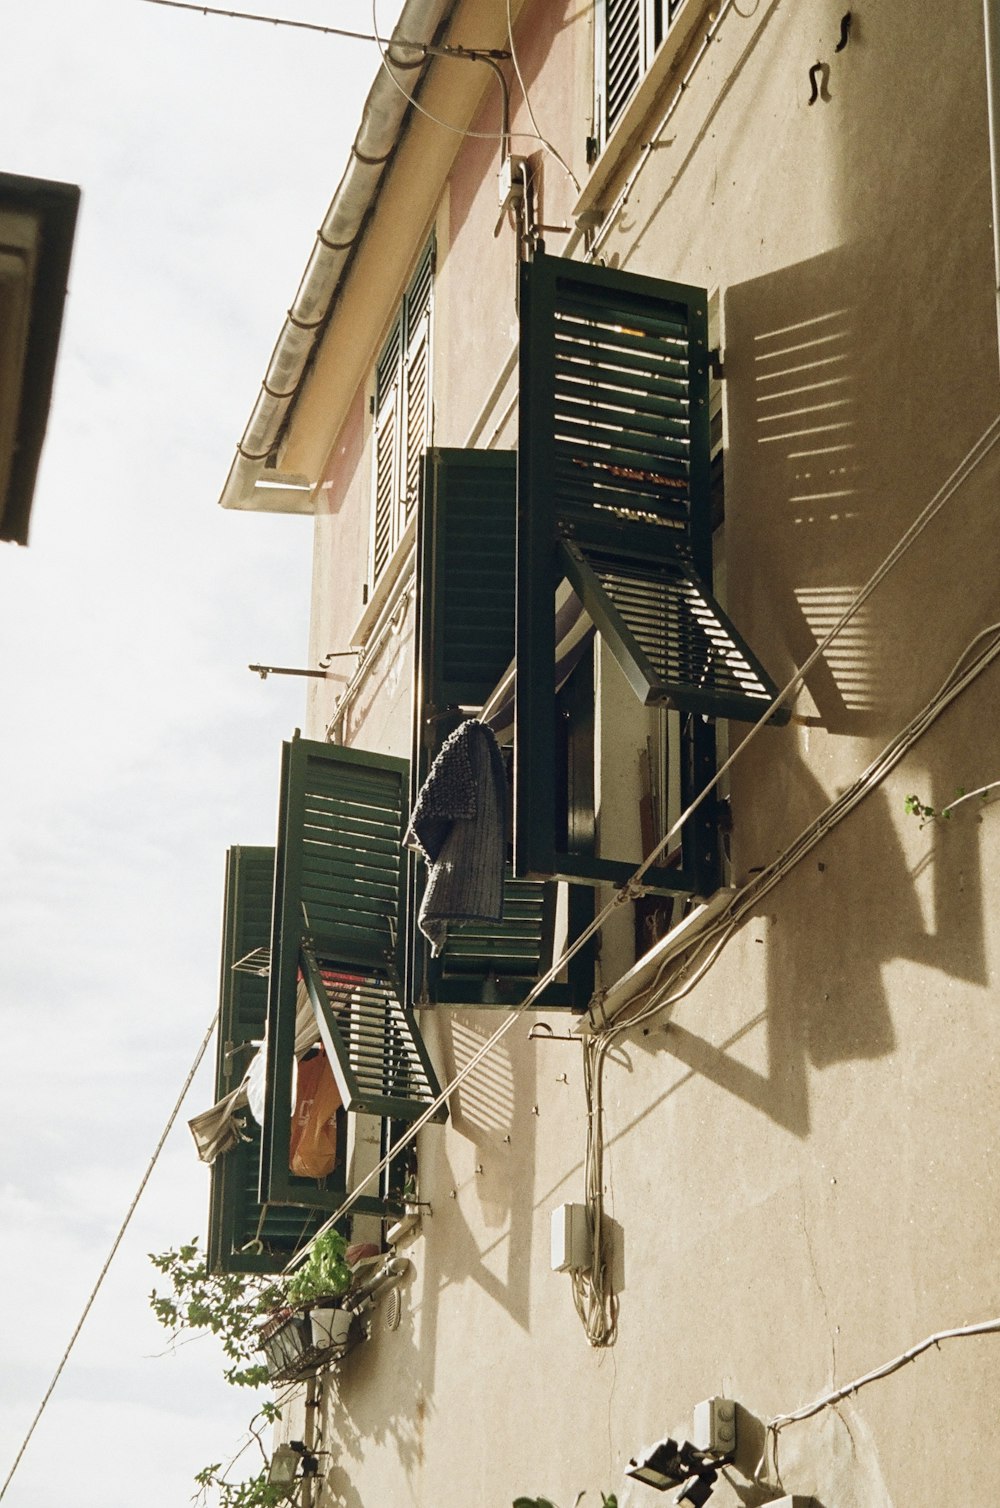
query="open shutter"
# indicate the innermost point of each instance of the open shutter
(339, 920)
(242, 1235)
(613, 493)
(465, 642)
(417, 379)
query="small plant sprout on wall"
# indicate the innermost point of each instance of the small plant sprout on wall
(917, 808)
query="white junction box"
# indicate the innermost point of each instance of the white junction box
(572, 1247)
(715, 1426)
(509, 184)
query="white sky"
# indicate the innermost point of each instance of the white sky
(136, 745)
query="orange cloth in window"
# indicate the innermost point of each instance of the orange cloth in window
(313, 1144)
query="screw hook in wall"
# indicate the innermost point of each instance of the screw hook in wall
(542, 1032)
(819, 89)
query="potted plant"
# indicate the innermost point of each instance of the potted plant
(321, 1280)
(324, 1274)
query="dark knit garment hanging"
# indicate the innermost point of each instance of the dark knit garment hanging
(459, 824)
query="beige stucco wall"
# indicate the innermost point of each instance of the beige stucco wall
(802, 1168)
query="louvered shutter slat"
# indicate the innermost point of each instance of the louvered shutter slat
(339, 918)
(614, 465)
(243, 1237)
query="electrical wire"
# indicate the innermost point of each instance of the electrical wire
(595, 1302)
(114, 1247)
(828, 1400)
(972, 458)
(243, 15)
(446, 125)
(546, 144)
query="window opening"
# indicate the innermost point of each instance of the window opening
(403, 416)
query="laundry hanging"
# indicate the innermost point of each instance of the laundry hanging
(459, 824)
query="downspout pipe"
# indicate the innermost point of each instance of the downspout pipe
(382, 119)
(991, 17)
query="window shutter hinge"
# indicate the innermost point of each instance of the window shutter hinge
(715, 366)
(371, 404)
(592, 150)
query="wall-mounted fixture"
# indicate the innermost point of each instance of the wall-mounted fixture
(666, 1464)
(283, 1471)
(322, 674)
(510, 181)
(691, 1466)
(572, 1246)
(714, 1427)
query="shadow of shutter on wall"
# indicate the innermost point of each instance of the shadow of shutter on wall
(239, 1240)
(339, 919)
(613, 492)
(465, 642)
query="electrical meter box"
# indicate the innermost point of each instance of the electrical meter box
(572, 1247)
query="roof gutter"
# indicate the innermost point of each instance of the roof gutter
(252, 484)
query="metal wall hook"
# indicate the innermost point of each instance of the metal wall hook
(542, 1032)
(819, 79)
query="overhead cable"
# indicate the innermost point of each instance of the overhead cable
(243, 15)
(475, 54)
(114, 1247)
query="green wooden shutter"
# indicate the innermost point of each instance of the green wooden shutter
(465, 642)
(613, 492)
(241, 1236)
(339, 920)
(465, 585)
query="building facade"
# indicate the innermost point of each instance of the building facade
(642, 384)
